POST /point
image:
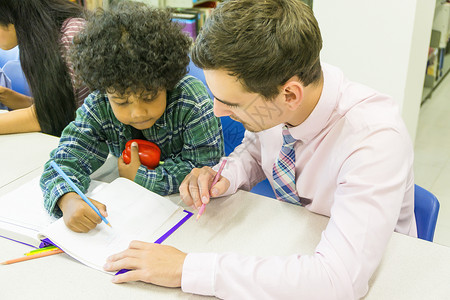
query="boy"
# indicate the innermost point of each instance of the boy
(135, 60)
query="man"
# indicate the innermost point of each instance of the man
(334, 146)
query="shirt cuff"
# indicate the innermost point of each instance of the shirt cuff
(198, 275)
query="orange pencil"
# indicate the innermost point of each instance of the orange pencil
(37, 255)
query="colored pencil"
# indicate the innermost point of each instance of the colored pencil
(41, 250)
(37, 255)
(216, 178)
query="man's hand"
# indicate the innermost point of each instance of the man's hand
(196, 187)
(153, 263)
(130, 170)
(78, 215)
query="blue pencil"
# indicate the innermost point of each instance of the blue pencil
(77, 190)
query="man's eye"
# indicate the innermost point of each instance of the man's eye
(232, 105)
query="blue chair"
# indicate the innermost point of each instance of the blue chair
(19, 83)
(7, 55)
(426, 210)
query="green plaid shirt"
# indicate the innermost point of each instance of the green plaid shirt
(188, 134)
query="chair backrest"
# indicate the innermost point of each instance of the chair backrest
(7, 55)
(426, 210)
(13, 70)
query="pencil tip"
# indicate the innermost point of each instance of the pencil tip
(109, 224)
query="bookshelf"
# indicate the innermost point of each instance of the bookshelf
(438, 62)
(190, 13)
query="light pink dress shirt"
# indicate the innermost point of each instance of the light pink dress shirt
(354, 163)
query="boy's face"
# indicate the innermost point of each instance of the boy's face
(138, 110)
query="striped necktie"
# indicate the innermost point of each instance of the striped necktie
(284, 171)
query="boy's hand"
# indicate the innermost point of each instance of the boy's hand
(78, 215)
(196, 187)
(130, 170)
(152, 263)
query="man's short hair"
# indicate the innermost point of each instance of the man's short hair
(262, 43)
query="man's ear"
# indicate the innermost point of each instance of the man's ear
(293, 92)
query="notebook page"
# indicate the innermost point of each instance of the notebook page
(22, 212)
(134, 212)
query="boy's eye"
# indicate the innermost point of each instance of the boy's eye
(121, 103)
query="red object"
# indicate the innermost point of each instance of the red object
(149, 153)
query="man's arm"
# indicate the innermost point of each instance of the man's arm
(367, 201)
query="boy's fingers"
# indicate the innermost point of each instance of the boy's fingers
(101, 207)
(134, 151)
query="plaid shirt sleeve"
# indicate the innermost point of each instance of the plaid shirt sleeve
(82, 149)
(195, 138)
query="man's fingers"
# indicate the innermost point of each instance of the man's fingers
(131, 263)
(220, 187)
(204, 181)
(133, 275)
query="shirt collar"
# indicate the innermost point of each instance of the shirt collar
(323, 111)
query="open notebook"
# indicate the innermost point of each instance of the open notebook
(134, 212)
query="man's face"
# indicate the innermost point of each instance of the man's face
(250, 109)
(138, 110)
(8, 37)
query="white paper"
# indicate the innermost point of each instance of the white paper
(134, 212)
(22, 213)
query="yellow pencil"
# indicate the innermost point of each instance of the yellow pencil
(37, 255)
(41, 250)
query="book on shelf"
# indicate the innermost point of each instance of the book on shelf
(190, 3)
(188, 21)
(135, 213)
(192, 19)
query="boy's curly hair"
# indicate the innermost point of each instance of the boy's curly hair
(130, 48)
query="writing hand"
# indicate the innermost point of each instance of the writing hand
(78, 215)
(196, 187)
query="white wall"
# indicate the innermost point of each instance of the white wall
(383, 44)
